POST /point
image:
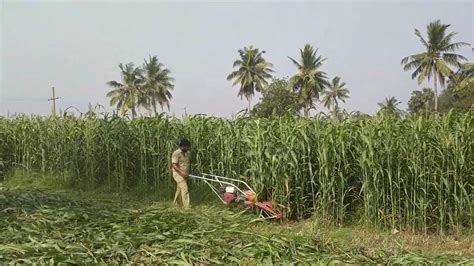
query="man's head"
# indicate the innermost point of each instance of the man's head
(184, 145)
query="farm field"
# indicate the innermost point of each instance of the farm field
(46, 226)
(376, 190)
(416, 173)
(239, 133)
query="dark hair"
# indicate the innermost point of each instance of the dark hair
(184, 142)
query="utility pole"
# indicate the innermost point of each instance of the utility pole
(53, 99)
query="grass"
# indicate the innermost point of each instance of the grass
(19, 178)
(48, 181)
(51, 226)
(375, 241)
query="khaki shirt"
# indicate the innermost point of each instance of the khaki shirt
(182, 159)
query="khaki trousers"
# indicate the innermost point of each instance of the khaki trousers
(181, 189)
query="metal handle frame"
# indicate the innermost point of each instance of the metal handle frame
(231, 180)
(220, 180)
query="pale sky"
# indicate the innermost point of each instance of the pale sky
(76, 47)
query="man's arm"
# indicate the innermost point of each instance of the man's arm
(176, 168)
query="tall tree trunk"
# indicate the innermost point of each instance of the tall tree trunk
(306, 113)
(154, 106)
(249, 99)
(335, 107)
(436, 92)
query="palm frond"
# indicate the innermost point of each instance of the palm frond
(296, 63)
(442, 69)
(453, 59)
(423, 41)
(422, 74)
(452, 47)
(114, 84)
(113, 93)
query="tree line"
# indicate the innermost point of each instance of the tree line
(150, 85)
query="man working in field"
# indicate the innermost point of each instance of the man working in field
(180, 161)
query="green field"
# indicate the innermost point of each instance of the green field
(416, 173)
(376, 190)
(356, 141)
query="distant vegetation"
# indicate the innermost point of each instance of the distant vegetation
(147, 87)
(310, 88)
(439, 56)
(252, 72)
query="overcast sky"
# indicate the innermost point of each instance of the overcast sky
(76, 47)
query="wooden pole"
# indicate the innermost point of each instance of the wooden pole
(53, 99)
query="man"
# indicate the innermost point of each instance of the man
(180, 161)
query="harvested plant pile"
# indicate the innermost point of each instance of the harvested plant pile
(39, 227)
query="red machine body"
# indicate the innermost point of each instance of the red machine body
(231, 190)
(229, 197)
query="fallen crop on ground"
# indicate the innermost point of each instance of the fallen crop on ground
(51, 227)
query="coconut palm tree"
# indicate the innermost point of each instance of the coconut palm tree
(390, 106)
(252, 72)
(335, 92)
(157, 85)
(439, 55)
(124, 95)
(310, 81)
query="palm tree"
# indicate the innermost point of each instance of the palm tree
(125, 94)
(421, 101)
(157, 84)
(437, 58)
(252, 72)
(309, 82)
(463, 78)
(390, 106)
(335, 92)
